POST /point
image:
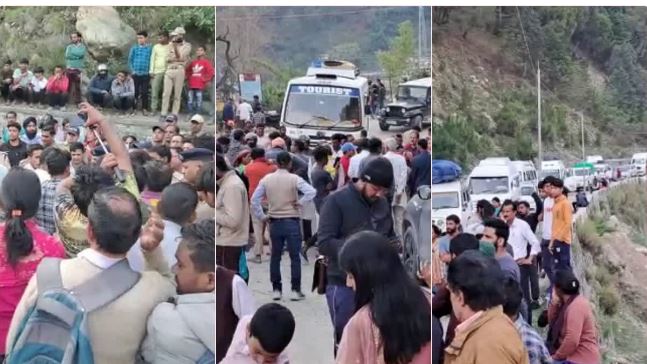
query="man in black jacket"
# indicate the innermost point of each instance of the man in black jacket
(523, 211)
(359, 206)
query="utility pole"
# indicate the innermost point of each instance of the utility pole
(582, 124)
(541, 156)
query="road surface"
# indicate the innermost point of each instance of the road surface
(313, 339)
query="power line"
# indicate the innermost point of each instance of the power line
(523, 33)
(263, 17)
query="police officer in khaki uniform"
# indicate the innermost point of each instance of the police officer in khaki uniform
(178, 57)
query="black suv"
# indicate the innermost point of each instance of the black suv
(412, 106)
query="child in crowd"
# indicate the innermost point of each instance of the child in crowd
(182, 331)
(263, 337)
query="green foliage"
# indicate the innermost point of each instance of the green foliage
(609, 300)
(395, 60)
(456, 139)
(274, 84)
(347, 51)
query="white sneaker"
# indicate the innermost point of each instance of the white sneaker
(277, 295)
(297, 296)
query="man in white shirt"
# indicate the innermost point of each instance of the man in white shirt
(356, 160)
(400, 171)
(525, 246)
(37, 87)
(546, 231)
(245, 111)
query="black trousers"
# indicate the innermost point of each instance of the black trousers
(142, 83)
(4, 90)
(99, 99)
(527, 271)
(57, 99)
(20, 94)
(37, 97)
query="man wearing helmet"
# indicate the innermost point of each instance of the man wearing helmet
(99, 88)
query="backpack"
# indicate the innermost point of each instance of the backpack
(55, 329)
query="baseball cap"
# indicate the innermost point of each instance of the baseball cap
(278, 142)
(158, 127)
(379, 172)
(171, 118)
(73, 130)
(347, 147)
(197, 118)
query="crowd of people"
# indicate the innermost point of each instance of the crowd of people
(155, 79)
(346, 197)
(486, 279)
(106, 243)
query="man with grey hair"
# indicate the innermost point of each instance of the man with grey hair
(400, 171)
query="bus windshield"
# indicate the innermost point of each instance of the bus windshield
(323, 106)
(444, 200)
(488, 185)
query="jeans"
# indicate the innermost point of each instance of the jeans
(285, 231)
(561, 255)
(142, 83)
(547, 265)
(124, 103)
(57, 99)
(194, 101)
(341, 305)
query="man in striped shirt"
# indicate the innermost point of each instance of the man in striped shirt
(139, 63)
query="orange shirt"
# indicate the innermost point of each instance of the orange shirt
(562, 229)
(255, 171)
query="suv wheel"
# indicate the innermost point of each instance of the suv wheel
(417, 121)
(410, 252)
(383, 126)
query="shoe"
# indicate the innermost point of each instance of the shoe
(276, 295)
(297, 296)
(50, 108)
(257, 259)
(63, 109)
(304, 253)
(144, 113)
(534, 305)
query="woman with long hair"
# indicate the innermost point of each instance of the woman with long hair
(391, 324)
(22, 243)
(572, 334)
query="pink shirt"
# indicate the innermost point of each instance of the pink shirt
(14, 281)
(238, 352)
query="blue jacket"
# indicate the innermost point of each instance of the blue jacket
(99, 84)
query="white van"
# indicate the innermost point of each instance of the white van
(595, 159)
(554, 168)
(495, 177)
(638, 164)
(447, 199)
(527, 172)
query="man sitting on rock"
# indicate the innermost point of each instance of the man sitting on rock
(99, 88)
(57, 87)
(22, 76)
(123, 92)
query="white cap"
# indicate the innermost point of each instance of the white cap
(178, 31)
(102, 67)
(197, 118)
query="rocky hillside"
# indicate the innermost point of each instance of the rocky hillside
(40, 34)
(592, 59)
(610, 257)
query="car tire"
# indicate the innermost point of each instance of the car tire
(410, 252)
(417, 121)
(384, 127)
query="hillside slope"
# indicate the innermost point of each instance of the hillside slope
(484, 90)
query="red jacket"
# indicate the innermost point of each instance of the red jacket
(57, 86)
(198, 73)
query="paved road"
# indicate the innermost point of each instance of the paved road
(313, 338)
(374, 130)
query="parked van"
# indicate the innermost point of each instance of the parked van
(555, 168)
(527, 172)
(638, 164)
(494, 177)
(450, 198)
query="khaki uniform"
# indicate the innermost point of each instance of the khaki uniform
(174, 77)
